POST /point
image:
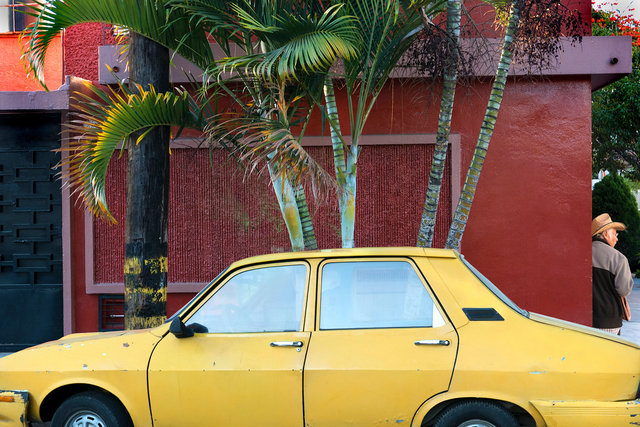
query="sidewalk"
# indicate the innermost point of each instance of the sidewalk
(631, 329)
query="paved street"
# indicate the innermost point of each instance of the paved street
(631, 330)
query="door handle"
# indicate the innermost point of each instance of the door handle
(286, 344)
(432, 342)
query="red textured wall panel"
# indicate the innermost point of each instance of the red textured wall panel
(81, 49)
(219, 216)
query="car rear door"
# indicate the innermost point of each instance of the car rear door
(382, 344)
(245, 367)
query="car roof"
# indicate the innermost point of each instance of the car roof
(349, 253)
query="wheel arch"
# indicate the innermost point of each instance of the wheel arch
(54, 399)
(429, 412)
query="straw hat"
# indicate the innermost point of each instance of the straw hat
(603, 222)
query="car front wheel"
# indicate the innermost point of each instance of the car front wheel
(476, 414)
(91, 409)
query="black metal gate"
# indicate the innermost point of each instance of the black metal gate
(30, 230)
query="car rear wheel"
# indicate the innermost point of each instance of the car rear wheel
(91, 409)
(476, 414)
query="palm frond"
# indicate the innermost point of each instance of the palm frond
(146, 17)
(297, 44)
(430, 8)
(266, 142)
(387, 31)
(103, 123)
(260, 136)
(217, 17)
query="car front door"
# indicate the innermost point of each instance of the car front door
(243, 366)
(382, 345)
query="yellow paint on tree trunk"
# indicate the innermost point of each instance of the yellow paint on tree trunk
(145, 292)
(157, 265)
(132, 266)
(292, 218)
(138, 322)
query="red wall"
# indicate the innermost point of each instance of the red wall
(14, 77)
(527, 230)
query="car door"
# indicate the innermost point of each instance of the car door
(243, 366)
(382, 345)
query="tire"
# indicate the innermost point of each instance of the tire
(91, 409)
(476, 414)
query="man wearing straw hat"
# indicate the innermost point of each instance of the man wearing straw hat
(612, 278)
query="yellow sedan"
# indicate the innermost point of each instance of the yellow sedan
(354, 337)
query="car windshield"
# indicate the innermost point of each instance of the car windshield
(497, 292)
(184, 307)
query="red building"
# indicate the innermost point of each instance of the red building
(528, 230)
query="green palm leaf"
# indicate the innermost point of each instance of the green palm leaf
(103, 124)
(387, 30)
(146, 17)
(295, 43)
(267, 141)
(217, 18)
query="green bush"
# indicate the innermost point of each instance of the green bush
(613, 196)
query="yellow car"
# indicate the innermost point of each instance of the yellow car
(354, 337)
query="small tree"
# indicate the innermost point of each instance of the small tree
(616, 107)
(613, 196)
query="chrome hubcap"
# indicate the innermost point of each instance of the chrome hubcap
(476, 423)
(85, 419)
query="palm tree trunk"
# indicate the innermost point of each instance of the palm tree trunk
(145, 266)
(428, 221)
(289, 208)
(348, 200)
(308, 234)
(463, 209)
(345, 169)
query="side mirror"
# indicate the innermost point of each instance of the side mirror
(179, 329)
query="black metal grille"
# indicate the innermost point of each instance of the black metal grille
(30, 218)
(111, 313)
(30, 230)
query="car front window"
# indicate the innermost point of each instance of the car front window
(266, 299)
(375, 294)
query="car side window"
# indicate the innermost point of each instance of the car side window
(375, 294)
(267, 299)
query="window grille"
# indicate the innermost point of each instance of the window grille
(12, 18)
(111, 312)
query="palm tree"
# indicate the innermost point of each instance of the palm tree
(388, 27)
(145, 236)
(296, 44)
(428, 221)
(463, 208)
(148, 163)
(295, 37)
